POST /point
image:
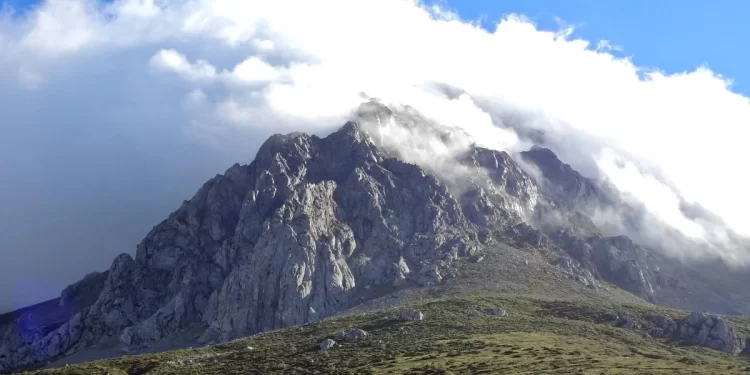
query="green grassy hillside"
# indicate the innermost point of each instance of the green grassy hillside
(456, 336)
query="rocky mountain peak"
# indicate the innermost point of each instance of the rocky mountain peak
(290, 238)
(373, 111)
(313, 225)
(504, 172)
(544, 156)
(560, 179)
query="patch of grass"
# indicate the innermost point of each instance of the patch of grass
(576, 355)
(455, 338)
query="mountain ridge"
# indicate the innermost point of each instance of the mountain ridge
(312, 226)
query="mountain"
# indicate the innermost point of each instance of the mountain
(314, 227)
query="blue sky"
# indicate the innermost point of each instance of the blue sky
(673, 35)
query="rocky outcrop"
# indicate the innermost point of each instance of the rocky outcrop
(709, 330)
(84, 292)
(401, 271)
(701, 329)
(327, 344)
(107, 316)
(356, 335)
(551, 210)
(614, 259)
(496, 311)
(341, 222)
(626, 321)
(412, 315)
(523, 234)
(623, 263)
(574, 270)
(339, 335)
(510, 186)
(495, 191)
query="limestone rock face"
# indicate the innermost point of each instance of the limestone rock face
(85, 292)
(510, 187)
(341, 222)
(614, 259)
(574, 270)
(304, 251)
(560, 179)
(285, 240)
(401, 271)
(709, 330)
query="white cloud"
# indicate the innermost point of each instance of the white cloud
(652, 193)
(62, 26)
(171, 60)
(252, 71)
(300, 65)
(606, 46)
(255, 70)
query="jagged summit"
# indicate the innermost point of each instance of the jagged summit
(373, 110)
(350, 136)
(561, 179)
(292, 237)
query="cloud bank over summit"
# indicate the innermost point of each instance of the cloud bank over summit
(102, 102)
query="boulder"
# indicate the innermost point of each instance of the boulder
(339, 335)
(709, 330)
(429, 275)
(312, 316)
(412, 315)
(496, 311)
(401, 272)
(628, 322)
(327, 344)
(356, 335)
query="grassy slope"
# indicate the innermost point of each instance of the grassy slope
(536, 337)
